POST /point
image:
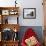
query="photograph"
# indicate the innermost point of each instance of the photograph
(22, 23)
(29, 13)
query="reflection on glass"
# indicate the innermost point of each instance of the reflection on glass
(9, 34)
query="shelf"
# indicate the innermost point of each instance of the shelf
(6, 12)
(10, 26)
(9, 10)
(5, 8)
(7, 23)
(11, 41)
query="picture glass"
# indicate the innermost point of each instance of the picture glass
(5, 12)
(12, 20)
(29, 13)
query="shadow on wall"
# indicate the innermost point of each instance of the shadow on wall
(37, 29)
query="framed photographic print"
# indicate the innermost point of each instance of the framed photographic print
(13, 12)
(5, 12)
(29, 13)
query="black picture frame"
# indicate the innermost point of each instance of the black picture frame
(29, 13)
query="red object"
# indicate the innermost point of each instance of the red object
(29, 33)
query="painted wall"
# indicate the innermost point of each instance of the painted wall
(27, 4)
(27, 22)
(39, 13)
(36, 29)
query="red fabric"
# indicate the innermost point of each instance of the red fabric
(28, 33)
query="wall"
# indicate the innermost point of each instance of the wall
(27, 4)
(36, 29)
(39, 13)
(28, 22)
